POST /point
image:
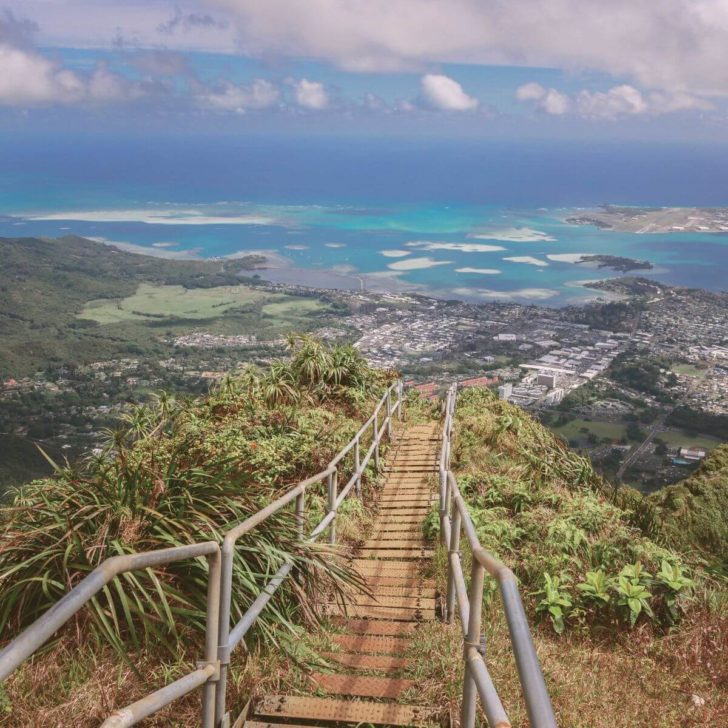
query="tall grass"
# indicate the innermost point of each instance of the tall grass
(176, 473)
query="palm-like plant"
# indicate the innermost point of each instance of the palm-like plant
(178, 474)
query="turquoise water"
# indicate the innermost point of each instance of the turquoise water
(478, 221)
(469, 252)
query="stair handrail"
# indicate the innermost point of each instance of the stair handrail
(211, 674)
(455, 518)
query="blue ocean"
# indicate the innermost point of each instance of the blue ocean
(462, 219)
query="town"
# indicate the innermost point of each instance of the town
(630, 383)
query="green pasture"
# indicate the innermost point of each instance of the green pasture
(151, 302)
(572, 430)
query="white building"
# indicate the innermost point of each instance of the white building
(505, 390)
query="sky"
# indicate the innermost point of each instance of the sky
(560, 69)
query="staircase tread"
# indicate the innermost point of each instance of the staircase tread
(349, 711)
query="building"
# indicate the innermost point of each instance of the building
(548, 380)
(691, 454)
(505, 390)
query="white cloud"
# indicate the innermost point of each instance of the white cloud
(28, 78)
(260, 94)
(616, 102)
(443, 92)
(310, 94)
(676, 45)
(530, 92)
(547, 100)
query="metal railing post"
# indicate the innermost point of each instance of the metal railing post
(301, 513)
(331, 482)
(389, 414)
(376, 440)
(214, 566)
(467, 715)
(223, 649)
(357, 465)
(454, 549)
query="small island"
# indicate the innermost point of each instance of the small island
(615, 262)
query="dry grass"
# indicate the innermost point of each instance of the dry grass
(640, 678)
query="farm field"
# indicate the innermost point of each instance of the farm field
(680, 438)
(573, 430)
(160, 302)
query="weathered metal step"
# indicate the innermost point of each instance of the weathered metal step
(402, 581)
(424, 503)
(373, 644)
(345, 711)
(393, 601)
(354, 661)
(396, 491)
(412, 592)
(398, 528)
(414, 534)
(407, 496)
(362, 686)
(373, 567)
(384, 553)
(375, 627)
(412, 542)
(381, 612)
(404, 508)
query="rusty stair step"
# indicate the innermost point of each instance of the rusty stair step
(356, 661)
(410, 540)
(385, 553)
(372, 644)
(398, 528)
(394, 601)
(362, 686)
(345, 711)
(404, 582)
(373, 611)
(373, 567)
(414, 534)
(381, 627)
(408, 545)
(412, 592)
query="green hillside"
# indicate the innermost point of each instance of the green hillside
(46, 283)
(694, 512)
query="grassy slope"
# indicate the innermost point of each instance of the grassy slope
(541, 508)
(695, 511)
(44, 285)
(181, 472)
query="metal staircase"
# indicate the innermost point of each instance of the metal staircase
(369, 681)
